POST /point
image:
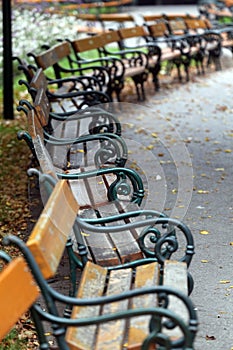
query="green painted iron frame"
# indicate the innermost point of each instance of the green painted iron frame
(106, 71)
(162, 232)
(83, 91)
(59, 323)
(102, 125)
(123, 60)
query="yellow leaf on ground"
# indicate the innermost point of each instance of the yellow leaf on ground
(228, 151)
(204, 261)
(85, 234)
(204, 232)
(224, 281)
(202, 192)
(219, 169)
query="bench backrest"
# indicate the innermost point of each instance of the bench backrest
(44, 158)
(35, 127)
(177, 16)
(41, 102)
(52, 56)
(49, 236)
(110, 37)
(116, 17)
(18, 291)
(195, 24)
(158, 30)
(87, 44)
(39, 80)
(177, 26)
(152, 17)
(133, 32)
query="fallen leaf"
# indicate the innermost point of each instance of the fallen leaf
(204, 261)
(221, 108)
(227, 150)
(202, 192)
(141, 131)
(85, 234)
(224, 281)
(204, 232)
(219, 169)
(210, 337)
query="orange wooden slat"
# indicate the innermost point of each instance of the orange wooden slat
(18, 292)
(50, 234)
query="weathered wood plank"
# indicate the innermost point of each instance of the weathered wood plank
(124, 242)
(111, 335)
(175, 276)
(100, 245)
(18, 291)
(49, 236)
(92, 285)
(146, 276)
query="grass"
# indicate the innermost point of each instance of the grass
(13, 342)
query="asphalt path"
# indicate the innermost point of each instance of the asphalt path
(182, 139)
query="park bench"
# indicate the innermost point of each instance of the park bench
(119, 37)
(215, 14)
(155, 18)
(210, 40)
(62, 105)
(67, 136)
(57, 62)
(131, 64)
(161, 47)
(223, 33)
(124, 308)
(102, 22)
(105, 195)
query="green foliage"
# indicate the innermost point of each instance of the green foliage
(13, 342)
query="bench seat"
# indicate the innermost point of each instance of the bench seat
(121, 307)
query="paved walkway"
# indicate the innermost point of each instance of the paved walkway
(182, 137)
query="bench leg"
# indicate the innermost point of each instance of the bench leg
(139, 84)
(214, 56)
(199, 59)
(40, 330)
(190, 283)
(186, 62)
(155, 72)
(178, 64)
(116, 85)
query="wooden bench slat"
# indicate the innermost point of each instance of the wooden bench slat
(18, 291)
(102, 250)
(80, 192)
(124, 242)
(91, 285)
(175, 276)
(146, 276)
(111, 335)
(55, 223)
